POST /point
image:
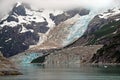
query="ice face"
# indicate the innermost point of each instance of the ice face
(78, 29)
(30, 57)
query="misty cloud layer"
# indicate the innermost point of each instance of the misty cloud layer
(6, 5)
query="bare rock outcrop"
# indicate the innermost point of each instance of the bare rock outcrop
(7, 67)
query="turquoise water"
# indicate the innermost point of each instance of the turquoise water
(67, 72)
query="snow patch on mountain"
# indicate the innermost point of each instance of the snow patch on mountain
(24, 19)
(18, 4)
(8, 40)
(110, 13)
(23, 30)
(11, 24)
(32, 16)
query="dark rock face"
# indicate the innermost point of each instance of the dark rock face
(68, 14)
(13, 42)
(97, 23)
(38, 27)
(1, 22)
(81, 12)
(19, 10)
(110, 52)
(12, 18)
(39, 60)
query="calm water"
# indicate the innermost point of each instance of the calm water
(68, 72)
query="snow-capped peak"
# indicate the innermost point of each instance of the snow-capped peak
(111, 12)
(18, 4)
(21, 14)
(26, 27)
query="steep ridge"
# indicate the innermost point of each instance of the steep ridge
(110, 52)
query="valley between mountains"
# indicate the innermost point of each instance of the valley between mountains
(73, 36)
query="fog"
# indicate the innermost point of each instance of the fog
(6, 5)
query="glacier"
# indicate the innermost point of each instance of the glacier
(30, 57)
(25, 58)
(78, 29)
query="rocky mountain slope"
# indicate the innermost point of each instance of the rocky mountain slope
(110, 52)
(78, 54)
(7, 67)
(24, 27)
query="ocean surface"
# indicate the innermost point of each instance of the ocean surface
(66, 72)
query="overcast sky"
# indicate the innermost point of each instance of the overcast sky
(6, 5)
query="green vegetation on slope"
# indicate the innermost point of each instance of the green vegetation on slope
(110, 52)
(105, 31)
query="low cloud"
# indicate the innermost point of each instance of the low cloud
(6, 5)
(68, 3)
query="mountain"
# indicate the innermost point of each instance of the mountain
(102, 25)
(110, 52)
(103, 29)
(63, 30)
(24, 27)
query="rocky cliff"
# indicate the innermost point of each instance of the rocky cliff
(73, 55)
(110, 52)
(7, 67)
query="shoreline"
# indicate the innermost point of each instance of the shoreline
(82, 63)
(7, 73)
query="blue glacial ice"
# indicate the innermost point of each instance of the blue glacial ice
(78, 29)
(29, 57)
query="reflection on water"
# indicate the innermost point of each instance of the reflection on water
(67, 72)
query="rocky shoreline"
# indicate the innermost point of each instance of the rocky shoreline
(7, 67)
(5, 73)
